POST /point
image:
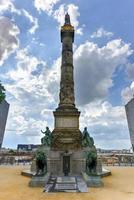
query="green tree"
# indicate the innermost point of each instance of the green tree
(2, 92)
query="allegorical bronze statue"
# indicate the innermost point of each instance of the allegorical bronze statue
(41, 163)
(46, 140)
(91, 162)
(91, 155)
(87, 141)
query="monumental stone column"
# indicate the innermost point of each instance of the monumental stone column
(66, 134)
(67, 99)
(68, 151)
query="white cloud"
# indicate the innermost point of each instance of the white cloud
(101, 32)
(130, 70)
(35, 85)
(27, 65)
(8, 5)
(33, 20)
(59, 14)
(106, 124)
(94, 67)
(128, 93)
(45, 5)
(33, 88)
(5, 5)
(32, 93)
(8, 38)
(73, 11)
(102, 113)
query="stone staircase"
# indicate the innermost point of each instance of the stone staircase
(66, 184)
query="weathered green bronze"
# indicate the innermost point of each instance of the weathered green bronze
(41, 162)
(87, 141)
(91, 162)
(46, 140)
(91, 155)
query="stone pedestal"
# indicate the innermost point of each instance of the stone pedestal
(66, 134)
(39, 181)
(76, 162)
(92, 181)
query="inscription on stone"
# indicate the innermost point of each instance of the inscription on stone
(66, 140)
(65, 122)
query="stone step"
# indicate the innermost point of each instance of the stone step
(66, 184)
(82, 186)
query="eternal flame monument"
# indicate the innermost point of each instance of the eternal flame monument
(67, 159)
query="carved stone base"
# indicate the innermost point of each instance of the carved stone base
(66, 134)
(55, 163)
(66, 139)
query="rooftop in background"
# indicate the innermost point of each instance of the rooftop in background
(114, 151)
(27, 147)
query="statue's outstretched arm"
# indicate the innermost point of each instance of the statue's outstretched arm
(43, 132)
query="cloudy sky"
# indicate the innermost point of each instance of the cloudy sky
(30, 53)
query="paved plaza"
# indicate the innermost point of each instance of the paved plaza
(119, 186)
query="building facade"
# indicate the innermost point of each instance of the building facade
(129, 107)
(27, 147)
(4, 107)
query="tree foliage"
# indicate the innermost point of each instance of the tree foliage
(2, 93)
